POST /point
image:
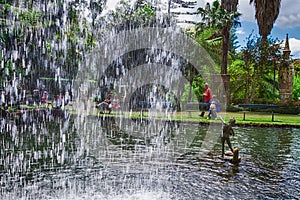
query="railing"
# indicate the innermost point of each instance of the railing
(258, 106)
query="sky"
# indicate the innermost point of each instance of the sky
(288, 21)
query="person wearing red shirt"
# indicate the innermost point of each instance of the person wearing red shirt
(206, 96)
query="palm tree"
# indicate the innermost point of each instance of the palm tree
(229, 6)
(221, 17)
(266, 13)
(211, 17)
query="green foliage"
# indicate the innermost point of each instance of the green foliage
(126, 16)
(205, 37)
(238, 72)
(39, 39)
(296, 88)
(145, 15)
(90, 40)
(30, 17)
(211, 15)
(211, 41)
(252, 76)
(72, 15)
(48, 46)
(198, 88)
(296, 64)
(196, 91)
(233, 44)
(194, 88)
(214, 16)
(4, 8)
(145, 11)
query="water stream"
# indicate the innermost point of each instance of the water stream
(56, 154)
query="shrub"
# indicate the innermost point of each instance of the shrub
(296, 88)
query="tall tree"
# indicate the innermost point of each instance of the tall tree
(252, 80)
(211, 17)
(221, 17)
(266, 13)
(229, 6)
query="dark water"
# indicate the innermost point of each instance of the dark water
(56, 157)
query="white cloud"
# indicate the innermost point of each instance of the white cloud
(288, 15)
(288, 20)
(247, 11)
(294, 46)
(240, 31)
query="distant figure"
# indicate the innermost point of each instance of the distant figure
(36, 97)
(23, 95)
(100, 94)
(42, 90)
(226, 133)
(105, 105)
(44, 96)
(2, 99)
(67, 98)
(58, 101)
(214, 107)
(207, 96)
(115, 102)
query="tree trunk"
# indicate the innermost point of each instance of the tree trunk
(247, 89)
(225, 49)
(228, 6)
(191, 84)
(254, 85)
(190, 93)
(252, 92)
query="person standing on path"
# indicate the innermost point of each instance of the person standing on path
(207, 96)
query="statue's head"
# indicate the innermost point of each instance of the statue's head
(232, 121)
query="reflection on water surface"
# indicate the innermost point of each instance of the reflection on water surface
(48, 157)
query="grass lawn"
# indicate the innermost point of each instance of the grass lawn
(265, 118)
(251, 118)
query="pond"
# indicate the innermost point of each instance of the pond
(51, 157)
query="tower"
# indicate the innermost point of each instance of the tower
(286, 76)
